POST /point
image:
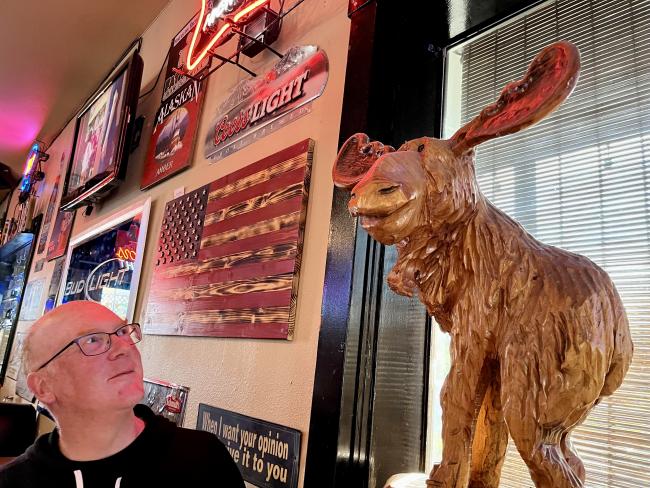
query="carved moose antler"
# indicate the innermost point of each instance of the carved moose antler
(538, 334)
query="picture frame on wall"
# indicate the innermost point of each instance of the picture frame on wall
(15, 356)
(15, 370)
(104, 264)
(166, 399)
(55, 285)
(50, 212)
(60, 234)
(31, 306)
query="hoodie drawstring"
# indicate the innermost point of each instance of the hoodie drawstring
(79, 481)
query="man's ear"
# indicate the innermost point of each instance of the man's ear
(39, 384)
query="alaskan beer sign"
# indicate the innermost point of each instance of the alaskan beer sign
(266, 103)
(172, 142)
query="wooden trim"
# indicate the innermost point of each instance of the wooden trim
(322, 451)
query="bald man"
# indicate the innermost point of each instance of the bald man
(82, 363)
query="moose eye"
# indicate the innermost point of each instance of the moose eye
(421, 148)
(387, 190)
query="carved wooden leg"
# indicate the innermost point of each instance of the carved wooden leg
(490, 441)
(539, 446)
(543, 400)
(572, 457)
(546, 463)
(462, 395)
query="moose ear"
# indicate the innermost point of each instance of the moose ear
(355, 158)
(550, 79)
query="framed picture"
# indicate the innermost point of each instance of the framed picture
(22, 390)
(166, 399)
(60, 235)
(49, 215)
(103, 265)
(15, 370)
(31, 307)
(55, 285)
(16, 355)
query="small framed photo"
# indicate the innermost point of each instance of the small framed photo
(166, 399)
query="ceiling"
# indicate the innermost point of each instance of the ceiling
(53, 56)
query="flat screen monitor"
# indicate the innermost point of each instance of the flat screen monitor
(102, 135)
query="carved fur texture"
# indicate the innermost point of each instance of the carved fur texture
(538, 334)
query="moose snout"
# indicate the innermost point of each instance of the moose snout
(376, 199)
(353, 206)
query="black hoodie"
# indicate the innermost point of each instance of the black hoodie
(162, 455)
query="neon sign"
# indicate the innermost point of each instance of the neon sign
(29, 167)
(113, 276)
(230, 14)
(125, 254)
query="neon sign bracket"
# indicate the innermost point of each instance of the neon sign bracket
(235, 56)
(255, 39)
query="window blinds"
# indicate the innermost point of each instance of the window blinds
(579, 180)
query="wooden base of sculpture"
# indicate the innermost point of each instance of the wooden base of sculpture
(538, 334)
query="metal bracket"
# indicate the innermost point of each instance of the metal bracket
(251, 38)
(235, 55)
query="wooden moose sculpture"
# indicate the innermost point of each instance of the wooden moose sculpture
(538, 334)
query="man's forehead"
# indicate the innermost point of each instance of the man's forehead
(71, 320)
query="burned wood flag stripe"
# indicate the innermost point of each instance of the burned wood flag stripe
(228, 255)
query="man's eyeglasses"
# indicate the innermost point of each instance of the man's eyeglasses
(99, 342)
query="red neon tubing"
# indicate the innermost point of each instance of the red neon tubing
(220, 34)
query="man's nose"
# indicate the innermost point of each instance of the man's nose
(119, 345)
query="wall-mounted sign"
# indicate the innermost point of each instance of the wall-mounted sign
(166, 399)
(30, 166)
(262, 105)
(31, 172)
(16, 355)
(173, 138)
(22, 390)
(50, 211)
(31, 307)
(267, 454)
(227, 263)
(93, 271)
(55, 284)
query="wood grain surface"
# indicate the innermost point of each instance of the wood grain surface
(538, 334)
(243, 278)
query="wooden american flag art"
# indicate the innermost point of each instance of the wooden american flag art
(228, 257)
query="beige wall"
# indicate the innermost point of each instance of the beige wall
(272, 380)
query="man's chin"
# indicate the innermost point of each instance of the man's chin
(132, 393)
